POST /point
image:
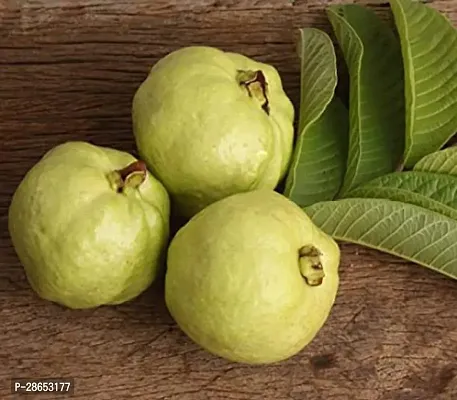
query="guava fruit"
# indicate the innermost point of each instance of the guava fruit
(90, 225)
(251, 278)
(210, 123)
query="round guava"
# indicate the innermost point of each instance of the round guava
(210, 124)
(251, 278)
(90, 225)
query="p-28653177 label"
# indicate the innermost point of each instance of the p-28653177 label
(46, 385)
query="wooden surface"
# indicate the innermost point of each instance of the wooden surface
(68, 70)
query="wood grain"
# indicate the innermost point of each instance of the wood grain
(68, 70)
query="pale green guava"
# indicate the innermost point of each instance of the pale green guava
(210, 123)
(251, 278)
(90, 225)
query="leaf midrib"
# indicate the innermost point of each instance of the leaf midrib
(410, 78)
(355, 142)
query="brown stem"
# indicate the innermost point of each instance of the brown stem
(311, 267)
(133, 175)
(256, 86)
(137, 166)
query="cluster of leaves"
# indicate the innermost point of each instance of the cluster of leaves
(376, 173)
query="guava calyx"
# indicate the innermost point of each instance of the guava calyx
(311, 267)
(256, 86)
(132, 176)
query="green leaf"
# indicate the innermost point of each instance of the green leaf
(436, 192)
(318, 171)
(319, 157)
(429, 48)
(376, 105)
(404, 230)
(440, 162)
(318, 75)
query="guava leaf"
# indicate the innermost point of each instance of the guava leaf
(319, 157)
(318, 171)
(440, 162)
(376, 100)
(404, 230)
(436, 192)
(429, 48)
(318, 75)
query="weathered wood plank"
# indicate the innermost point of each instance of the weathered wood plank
(68, 70)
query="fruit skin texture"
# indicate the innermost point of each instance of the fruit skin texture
(233, 281)
(82, 243)
(201, 132)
